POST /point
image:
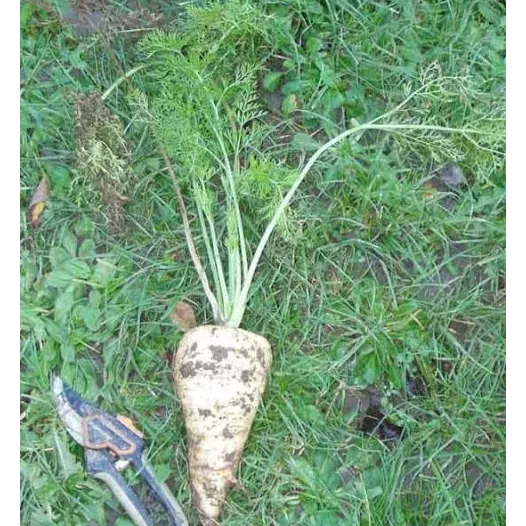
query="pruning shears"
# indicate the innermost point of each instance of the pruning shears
(111, 444)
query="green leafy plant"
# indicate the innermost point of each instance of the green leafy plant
(205, 112)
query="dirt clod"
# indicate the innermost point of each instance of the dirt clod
(375, 422)
(100, 17)
(366, 406)
(85, 16)
(416, 386)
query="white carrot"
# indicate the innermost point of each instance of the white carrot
(220, 375)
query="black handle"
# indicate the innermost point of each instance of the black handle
(161, 491)
(100, 467)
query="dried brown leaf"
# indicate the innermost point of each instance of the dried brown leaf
(183, 316)
(38, 202)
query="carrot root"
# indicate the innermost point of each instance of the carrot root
(220, 375)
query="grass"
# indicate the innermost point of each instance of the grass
(375, 274)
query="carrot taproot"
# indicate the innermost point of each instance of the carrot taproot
(220, 375)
